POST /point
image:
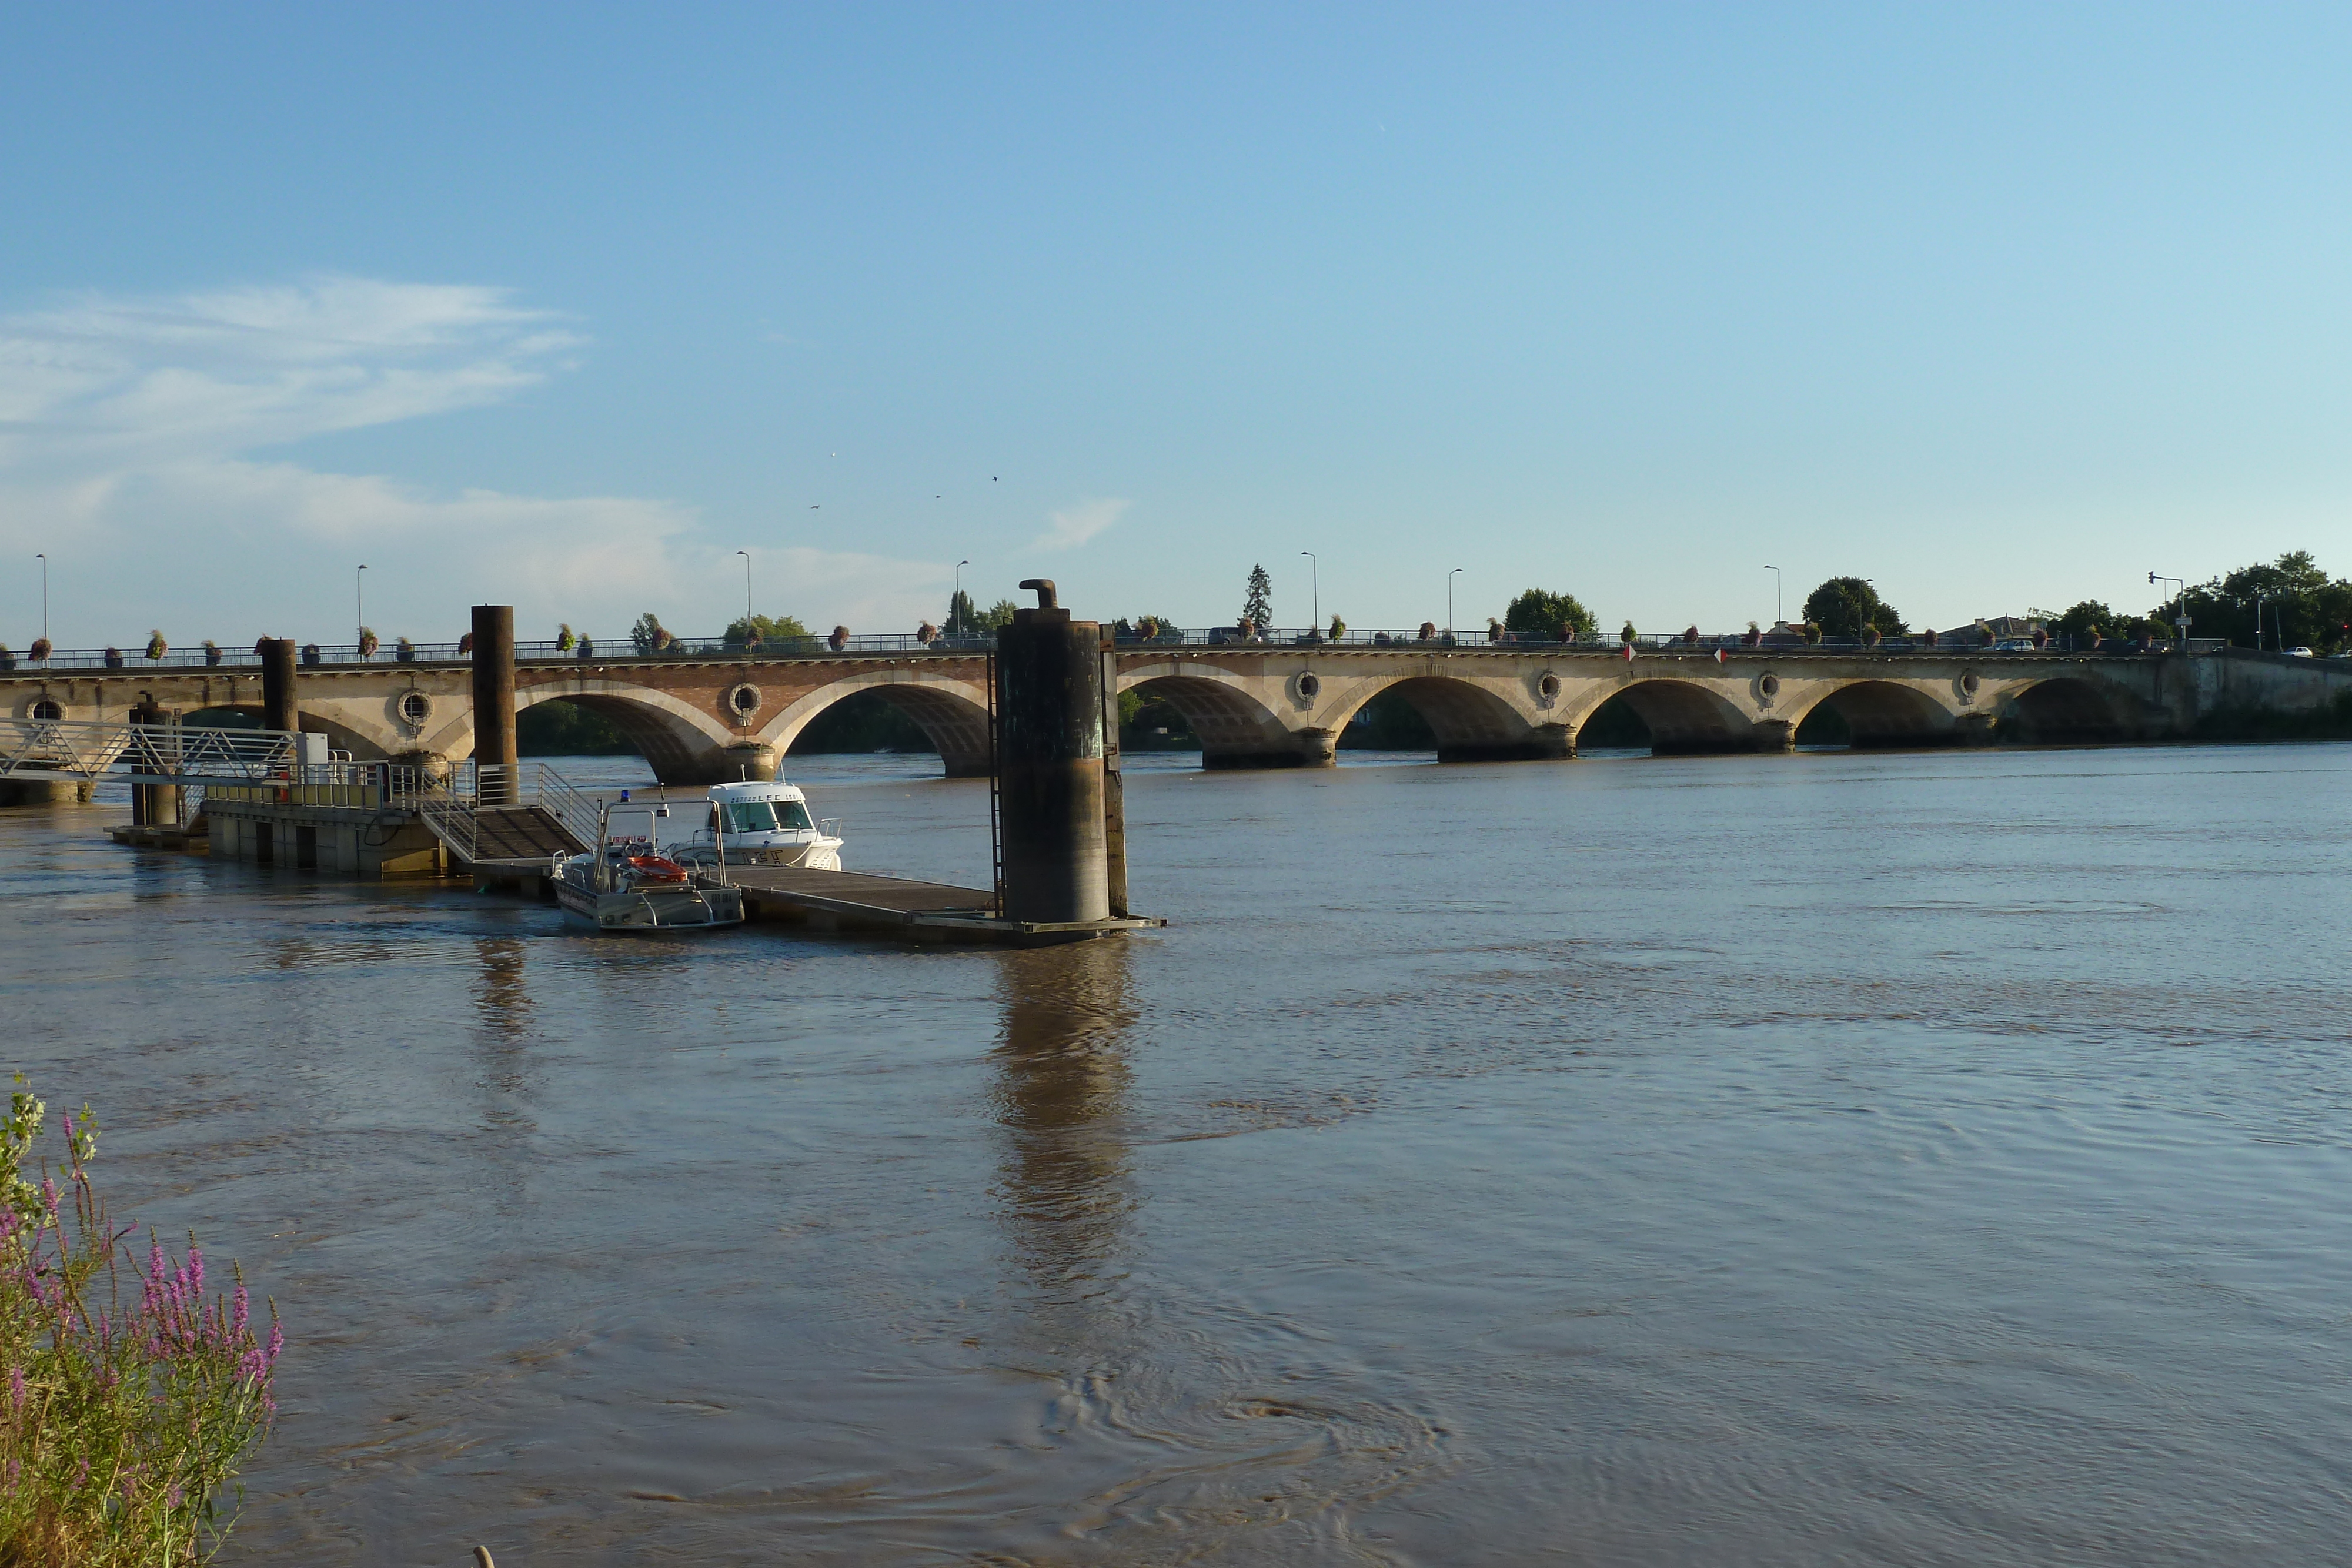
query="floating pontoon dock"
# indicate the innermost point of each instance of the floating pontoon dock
(847, 901)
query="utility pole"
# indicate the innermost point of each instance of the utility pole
(1778, 618)
(747, 595)
(1449, 599)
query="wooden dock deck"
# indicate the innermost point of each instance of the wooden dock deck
(847, 901)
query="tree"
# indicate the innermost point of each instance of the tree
(649, 635)
(1539, 614)
(1845, 605)
(964, 621)
(2090, 618)
(1257, 603)
(2298, 604)
(764, 630)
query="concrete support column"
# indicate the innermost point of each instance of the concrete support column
(1049, 719)
(277, 706)
(153, 805)
(1775, 735)
(494, 688)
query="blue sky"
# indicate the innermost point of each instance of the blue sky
(564, 306)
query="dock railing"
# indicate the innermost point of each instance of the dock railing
(450, 796)
(84, 751)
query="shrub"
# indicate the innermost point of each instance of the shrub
(121, 1424)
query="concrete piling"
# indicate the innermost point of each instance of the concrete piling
(494, 689)
(1049, 708)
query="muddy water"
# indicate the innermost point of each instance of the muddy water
(1907, 1159)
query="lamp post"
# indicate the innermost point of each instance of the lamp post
(2179, 607)
(44, 559)
(1315, 589)
(1449, 601)
(359, 606)
(1778, 618)
(747, 595)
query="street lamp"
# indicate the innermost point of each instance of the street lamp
(747, 595)
(1315, 580)
(1449, 601)
(359, 606)
(44, 596)
(1776, 617)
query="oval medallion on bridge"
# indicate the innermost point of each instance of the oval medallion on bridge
(1969, 684)
(741, 701)
(415, 708)
(1767, 687)
(1308, 685)
(1548, 687)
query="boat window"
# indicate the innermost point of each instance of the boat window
(751, 817)
(795, 815)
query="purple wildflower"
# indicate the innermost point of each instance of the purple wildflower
(196, 1269)
(16, 1388)
(276, 1341)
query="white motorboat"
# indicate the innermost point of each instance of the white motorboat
(627, 883)
(756, 823)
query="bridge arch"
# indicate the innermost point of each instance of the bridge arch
(1881, 713)
(1685, 719)
(679, 743)
(1235, 726)
(1472, 723)
(952, 713)
(2065, 708)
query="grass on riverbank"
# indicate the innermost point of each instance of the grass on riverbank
(122, 1423)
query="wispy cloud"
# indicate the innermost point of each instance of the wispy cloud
(1070, 528)
(128, 419)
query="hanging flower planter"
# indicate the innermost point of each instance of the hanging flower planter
(114, 658)
(405, 652)
(1813, 633)
(1871, 636)
(1690, 637)
(309, 652)
(156, 646)
(564, 640)
(587, 649)
(839, 639)
(2041, 639)
(369, 642)
(466, 645)
(40, 651)
(212, 652)
(7, 659)
(1753, 637)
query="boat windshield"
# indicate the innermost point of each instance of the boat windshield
(750, 816)
(761, 816)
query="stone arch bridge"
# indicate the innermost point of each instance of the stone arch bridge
(706, 718)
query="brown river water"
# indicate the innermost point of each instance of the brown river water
(1910, 1159)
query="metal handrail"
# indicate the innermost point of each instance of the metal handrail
(689, 650)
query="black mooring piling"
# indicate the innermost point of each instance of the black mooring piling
(1049, 760)
(494, 689)
(278, 710)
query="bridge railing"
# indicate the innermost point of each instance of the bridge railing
(677, 650)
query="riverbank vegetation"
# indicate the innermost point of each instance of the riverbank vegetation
(124, 1418)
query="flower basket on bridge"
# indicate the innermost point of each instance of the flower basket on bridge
(587, 649)
(369, 642)
(1871, 636)
(156, 646)
(1429, 631)
(1753, 637)
(7, 659)
(309, 652)
(212, 652)
(466, 645)
(114, 658)
(39, 651)
(1813, 633)
(839, 639)
(565, 640)
(2041, 639)
(406, 651)
(1690, 636)
(1928, 637)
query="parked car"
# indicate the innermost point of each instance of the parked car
(2300, 654)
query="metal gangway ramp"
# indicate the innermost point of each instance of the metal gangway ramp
(83, 751)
